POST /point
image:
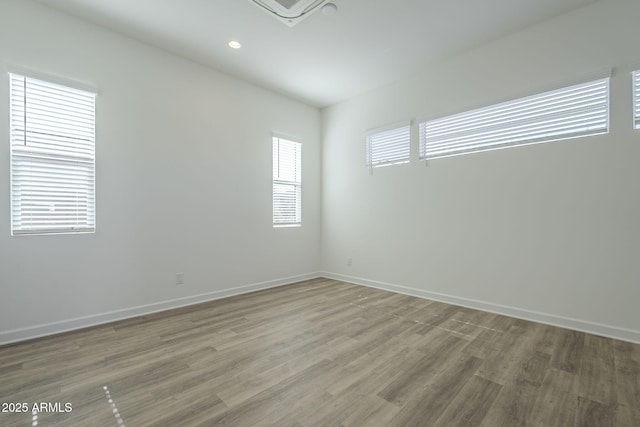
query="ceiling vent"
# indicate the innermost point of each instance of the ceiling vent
(290, 12)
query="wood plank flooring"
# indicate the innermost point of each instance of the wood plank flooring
(324, 353)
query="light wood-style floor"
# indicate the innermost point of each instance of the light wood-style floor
(324, 353)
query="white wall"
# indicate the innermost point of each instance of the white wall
(547, 232)
(183, 182)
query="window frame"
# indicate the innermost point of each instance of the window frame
(635, 91)
(281, 179)
(392, 140)
(72, 162)
(519, 122)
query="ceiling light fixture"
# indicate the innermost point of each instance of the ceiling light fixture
(329, 9)
(234, 44)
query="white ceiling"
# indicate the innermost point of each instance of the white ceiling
(324, 59)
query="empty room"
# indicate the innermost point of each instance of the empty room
(320, 213)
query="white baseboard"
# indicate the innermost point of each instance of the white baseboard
(22, 334)
(618, 333)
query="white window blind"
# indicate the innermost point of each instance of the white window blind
(287, 183)
(388, 146)
(570, 112)
(636, 99)
(52, 158)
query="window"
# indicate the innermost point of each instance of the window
(52, 158)
(388, 146)
(287, 183)
(636, 99)
(570, 112)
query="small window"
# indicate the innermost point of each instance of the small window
(636, 99)
(570, 112)
(52, 158)
(287, 183)
(389, 146)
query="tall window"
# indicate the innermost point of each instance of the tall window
(389, 146)
(570, 112)
(52, 158)
(287, 183)
(636, 99)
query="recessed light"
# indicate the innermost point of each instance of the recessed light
(233, 44)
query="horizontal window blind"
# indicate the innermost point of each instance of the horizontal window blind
(636, 99)
(388, 147)
(52, 157)
(287, 182)
(570, 112)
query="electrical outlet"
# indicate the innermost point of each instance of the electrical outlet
(179, 278)
(349, 262)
